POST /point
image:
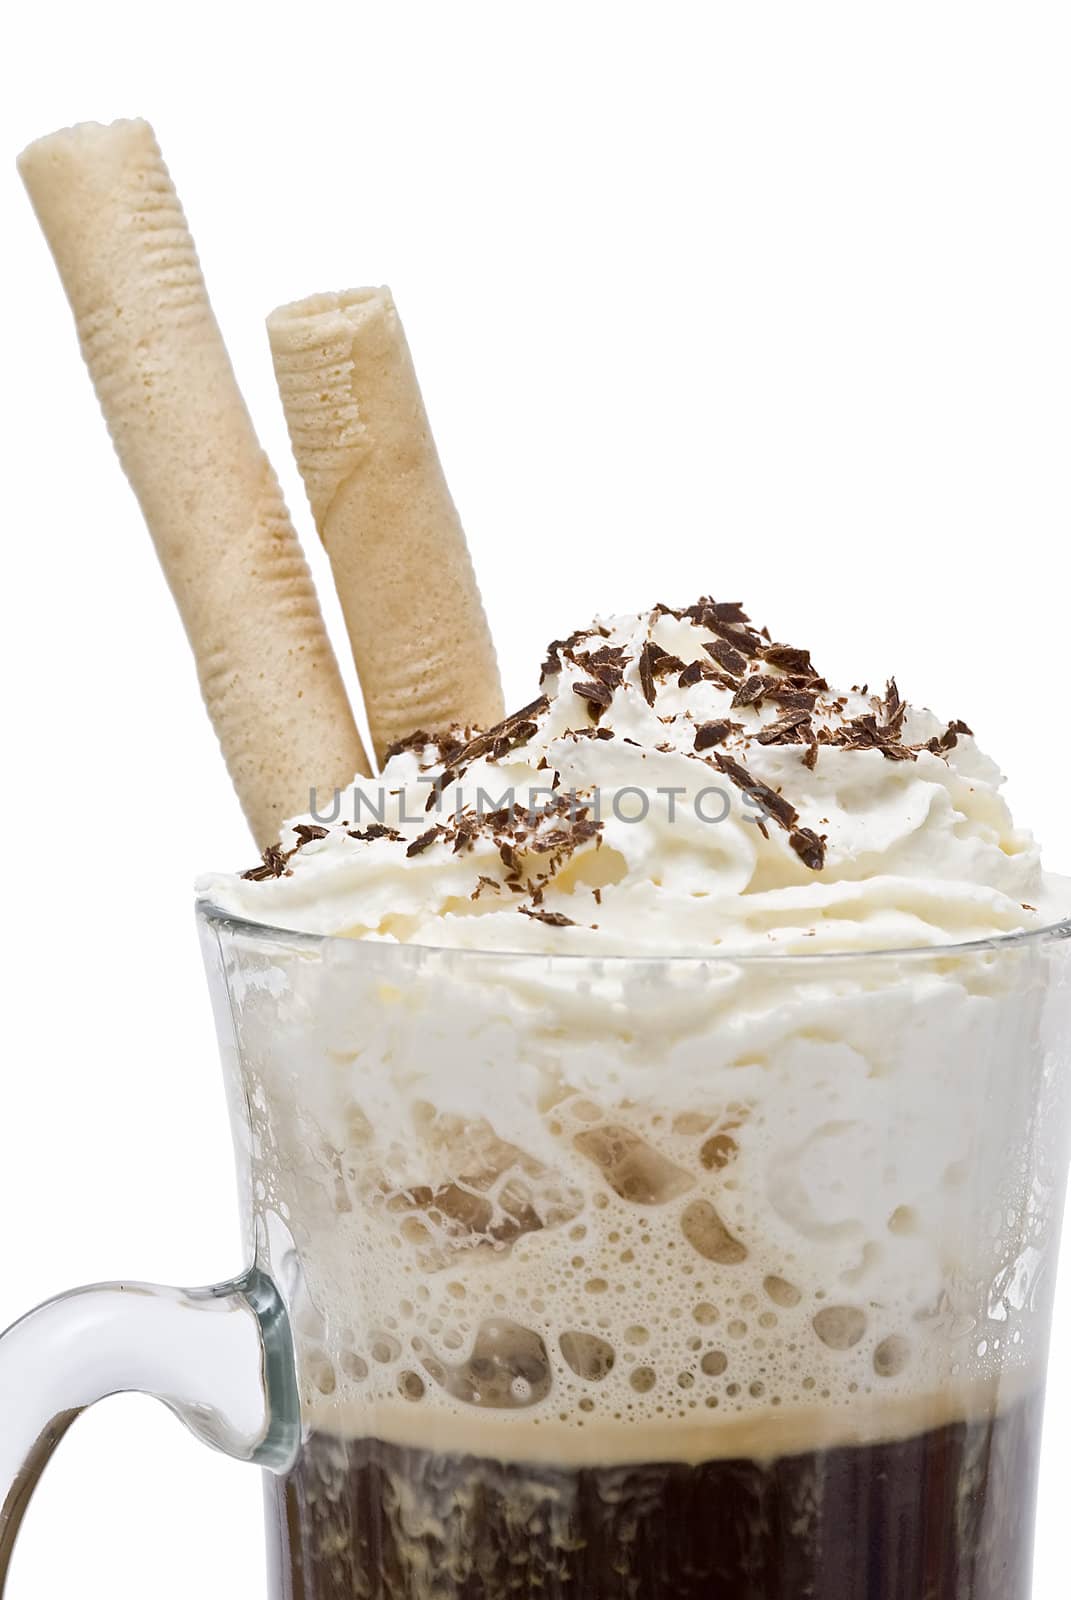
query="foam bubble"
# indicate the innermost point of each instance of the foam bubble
(503, 1209)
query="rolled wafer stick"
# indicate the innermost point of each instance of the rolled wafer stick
(402, 569)
(268, 674)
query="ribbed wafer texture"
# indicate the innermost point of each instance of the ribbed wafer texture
(270, 679)
(401, 564)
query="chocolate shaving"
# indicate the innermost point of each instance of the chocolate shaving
(447, 776)
(555, 839)
(787, 657)
(610, 658)
(775, 805)
(553, 919)
(597, 695)
(750, 693)
(647, 683)
(449, 743)
(728, 619)
(465, 832)
(577, 832)
(563, 647)
(809, 847)
(708, 734)
(705, 611)
(865, 733)
(606, 665)
(552, 665)
(418, 846)
(724, 654)
(741, 638)
(481, 743)
(655, 663)
(450, 749)
(728, 611)
(307, 832)
(893, 710)
(507, 817)
(942, 743)
(273, 864)
(512, 730)
(697, 671)
(418, 740)
(791, 729)
(375, 830)
(798, 699)
(517, 735)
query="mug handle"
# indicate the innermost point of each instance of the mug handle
(221, 1358)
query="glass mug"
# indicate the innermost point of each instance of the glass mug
(612, 1277)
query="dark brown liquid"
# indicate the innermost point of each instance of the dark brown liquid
(944, 1515)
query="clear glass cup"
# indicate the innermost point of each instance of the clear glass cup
(609, 1278)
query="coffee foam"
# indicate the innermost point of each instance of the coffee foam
(760, 1436)
(671, 1208)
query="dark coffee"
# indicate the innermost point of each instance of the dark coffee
(941, 1515)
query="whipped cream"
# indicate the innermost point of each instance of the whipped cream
(682, 784)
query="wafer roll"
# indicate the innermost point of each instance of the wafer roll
(268, 674)
(402, 569)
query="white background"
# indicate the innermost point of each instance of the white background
(770, 300)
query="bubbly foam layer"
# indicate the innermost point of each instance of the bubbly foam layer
(610, 1198)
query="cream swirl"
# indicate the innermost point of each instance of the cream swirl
(683, 784)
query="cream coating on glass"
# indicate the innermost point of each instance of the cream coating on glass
(524, 1206)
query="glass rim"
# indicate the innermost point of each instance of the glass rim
(1022, 938)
